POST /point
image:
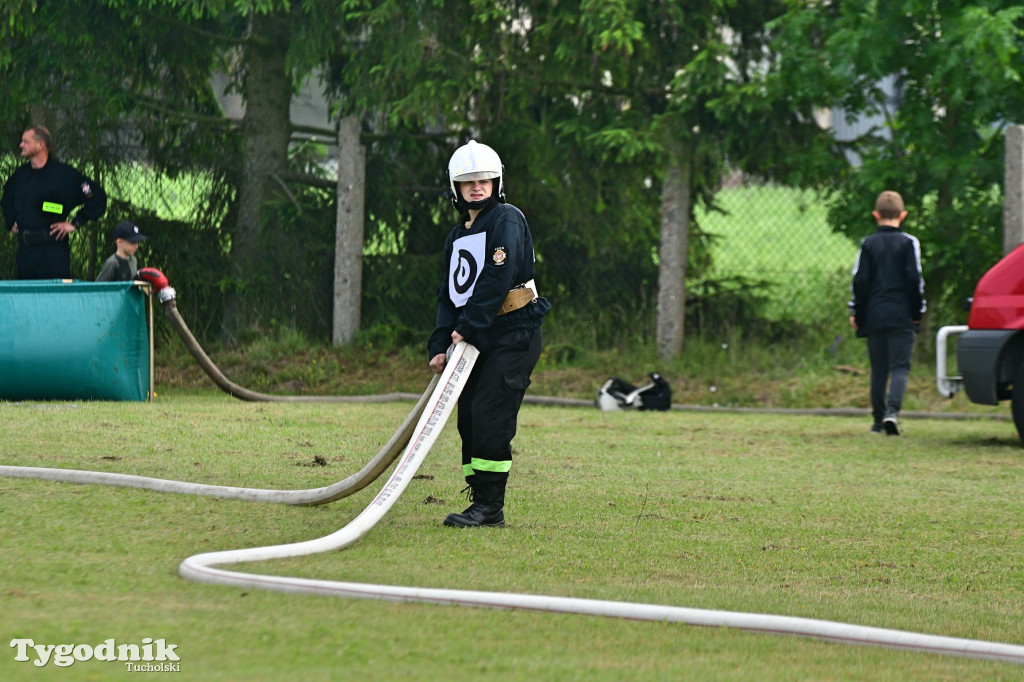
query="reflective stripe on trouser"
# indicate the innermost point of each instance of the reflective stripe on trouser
(476, 465)
(490, 402)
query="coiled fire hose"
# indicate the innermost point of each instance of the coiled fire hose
(431, 414)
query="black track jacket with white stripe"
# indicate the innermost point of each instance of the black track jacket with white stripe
(887, 289)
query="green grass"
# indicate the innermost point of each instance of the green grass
(781, 235)
(728, 370)
(801, 516)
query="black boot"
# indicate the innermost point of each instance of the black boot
(488, 502)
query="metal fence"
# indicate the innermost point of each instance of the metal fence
(771, 258)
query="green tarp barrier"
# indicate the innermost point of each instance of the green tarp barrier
(73, 341)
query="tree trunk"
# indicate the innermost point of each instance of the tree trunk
(672, 252)
(265, 131)
(348, 241)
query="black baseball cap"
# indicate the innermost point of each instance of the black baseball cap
(128, 230)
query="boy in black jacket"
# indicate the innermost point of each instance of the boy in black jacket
(886, 307)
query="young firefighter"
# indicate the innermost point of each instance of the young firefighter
(886, 307)
(489, 299)
(122, 266)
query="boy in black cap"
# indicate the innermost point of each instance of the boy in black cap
(122, 265)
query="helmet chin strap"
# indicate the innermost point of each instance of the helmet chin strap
(465, 206)
(482, 203)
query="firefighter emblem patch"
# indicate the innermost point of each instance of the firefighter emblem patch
(499, 256)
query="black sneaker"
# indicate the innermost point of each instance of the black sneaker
(877, 429)
(891, 424)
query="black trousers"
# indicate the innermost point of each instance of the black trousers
(49, 260)
(490, 402)
(889, 352)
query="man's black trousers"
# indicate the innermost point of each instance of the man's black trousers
(49, 260)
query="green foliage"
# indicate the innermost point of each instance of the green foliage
(956, 70)
(778, 241)
(391, 336)
(578, 99)
(401, 291)
(589, 103)
(293, 284)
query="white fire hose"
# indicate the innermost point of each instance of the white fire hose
(433, 413)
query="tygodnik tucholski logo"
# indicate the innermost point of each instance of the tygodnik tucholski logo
(152, 655)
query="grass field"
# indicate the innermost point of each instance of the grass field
(781, 235)
(790, 515)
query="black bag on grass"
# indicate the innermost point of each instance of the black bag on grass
(617, 394)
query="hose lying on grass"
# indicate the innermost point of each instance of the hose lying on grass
(201, 567)
(167, 298)
(313, 496)
(435, 407)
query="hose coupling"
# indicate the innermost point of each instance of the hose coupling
(166, 294)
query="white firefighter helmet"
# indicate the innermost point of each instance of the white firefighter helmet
(475, 161)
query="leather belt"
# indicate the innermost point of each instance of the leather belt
(33, 237)
(519, 297)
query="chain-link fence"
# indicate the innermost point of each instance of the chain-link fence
(767, 257)
(778, 240)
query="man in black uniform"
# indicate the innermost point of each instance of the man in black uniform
(489, 300)
(36, 203)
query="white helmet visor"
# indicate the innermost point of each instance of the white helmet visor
(481, 175)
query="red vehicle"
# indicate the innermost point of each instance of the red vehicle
(990, 349)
